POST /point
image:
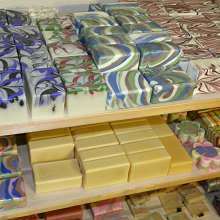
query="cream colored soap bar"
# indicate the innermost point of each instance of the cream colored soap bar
(48, 134)
(95, 142)
(105, 172)
(51, 149)
(142, 146)
(55, 176)
(181, 162)
(160, 126)
(100, 153)
(149, 164)
(135, 136)
(91, 131)
(122, 127)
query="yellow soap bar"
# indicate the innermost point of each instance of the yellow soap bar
(149, 164)
(135, 136)
(181, 162)
(95, 142)
(100, 153)
(51, 149)
(48, 134)
(91, 131)
(130, 126)
(57, 175)
(160, 126)
(141, 146)
(105, 172)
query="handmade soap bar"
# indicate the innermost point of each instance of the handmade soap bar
(181, 162)
(149, 164)
(127, 90)
(8, 51)
(95, 7)
(100, 153)
(155, 216)
(43, 12)
(9, 166)
(88, 131)
(159, 56)
(115, 169)
(198, 209)
(48, 176)
(12, 193)
(46, 150)
(9, 64)
(7, 145)
(48, 134)
(95, 142)
(131, 19)
(18, 18)
(118, 57)
(141, 146)
(178, 216)
(83, 90)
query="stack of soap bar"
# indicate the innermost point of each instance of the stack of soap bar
(8, 145)
(48, 176)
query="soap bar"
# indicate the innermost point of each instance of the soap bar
(8, 51)
(9, 166)
(118, 57)
(137, 210)
(135, 136)
(9, 64)
(155, 216)
(7, 145)
(141, 146)
(198, 209)
(115, 169)
(46, 150)
(88, 131)
(178, 216)
(181, 162)
(48, 176)
(18, 18)
(43, 12)
(159, 56)
(131, 19)
(88, 89)
(127, 90)
(12, 193)
(48, 134)
(95, 142)
(100, 153)
(95, 7)
(10, 79)
(126, 11)
(149, 164)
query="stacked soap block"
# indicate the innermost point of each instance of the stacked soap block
(12, 192)
(50, 153)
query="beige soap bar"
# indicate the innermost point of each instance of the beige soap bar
(105, 172)
(154, 216)
(57, 175)
(48, 134)
(181, 162)
(95, 142)
(91, 131)
(135, 136)
(178, 216)
(100, 153)
(122, 127)
(141, 146)
(160, 126)
(51, 149)
(198, 209)
(149, 164)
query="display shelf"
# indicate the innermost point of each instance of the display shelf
(195, 103)
(38, 203)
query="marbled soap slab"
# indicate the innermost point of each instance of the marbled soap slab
(131, 19)
(9, 166)
(12, 193)
(19, 18)
(67, 50)
(8, 50)
(87, 88)
(127, 89)
(3, 18)
(160, 56)
(6, 38)
(42, 72)
(126, 11)
(9, 64)
(7, 145)
(118, 57)
(11, 78)
(49, 24)
(75, 64)
(43, 12)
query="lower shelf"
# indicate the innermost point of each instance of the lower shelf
(38, 203)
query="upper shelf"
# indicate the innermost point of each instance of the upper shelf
(195, 103)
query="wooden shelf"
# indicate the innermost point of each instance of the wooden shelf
(37, 203)
(195, 103)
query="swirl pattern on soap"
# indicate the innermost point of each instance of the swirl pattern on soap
(10, 78)
(9, 64)
(8, 51)
(18, 18)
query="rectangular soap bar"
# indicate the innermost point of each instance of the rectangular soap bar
(100, 153)
(178, 216)
(149, 164)
(95, 142)
(181, 162)
(138, 210)
(198, 209)
(51, 149)
(48, 176)
(141, 146)
(88, 131)
(114, 169)
(39, 135)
